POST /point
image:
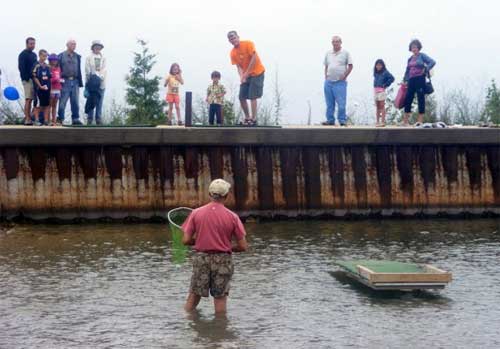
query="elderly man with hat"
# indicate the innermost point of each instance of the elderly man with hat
(95, 77)
(211, 229)
(71, 73)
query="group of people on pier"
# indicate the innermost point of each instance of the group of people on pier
(49, 86)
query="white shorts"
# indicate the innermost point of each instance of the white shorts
(380, 96)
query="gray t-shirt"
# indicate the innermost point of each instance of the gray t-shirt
(336, 63)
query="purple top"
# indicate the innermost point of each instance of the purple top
(415, 70)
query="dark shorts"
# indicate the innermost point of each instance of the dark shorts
(43, 97)
(211, 272)
(253, 88)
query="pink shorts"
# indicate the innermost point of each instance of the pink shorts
(173, 98)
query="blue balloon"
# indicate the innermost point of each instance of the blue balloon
(11, 93)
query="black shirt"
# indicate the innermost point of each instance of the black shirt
(42, 73)
(27, 60)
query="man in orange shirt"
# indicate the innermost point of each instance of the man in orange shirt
(251, 72)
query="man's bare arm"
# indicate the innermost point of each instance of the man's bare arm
(188, 240)
(251, 64)
(241, 246)
(348, 71)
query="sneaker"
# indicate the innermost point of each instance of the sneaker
(328, 123)
(28, 123)
(77, 123)
(343, 125)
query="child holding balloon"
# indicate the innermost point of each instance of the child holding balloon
(41, 78)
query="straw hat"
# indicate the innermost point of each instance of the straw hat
(219, 187)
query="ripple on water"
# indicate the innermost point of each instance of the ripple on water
(116, 286)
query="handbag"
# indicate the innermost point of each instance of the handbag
(428, 89)
(399, 102)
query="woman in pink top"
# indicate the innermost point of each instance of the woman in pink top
(211, 229)
(56, 85)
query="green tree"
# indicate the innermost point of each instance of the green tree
(228, 113)
(491, 111)
(143, 90)
(116, 114)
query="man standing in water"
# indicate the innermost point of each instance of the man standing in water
(251, 72)
(210, 229)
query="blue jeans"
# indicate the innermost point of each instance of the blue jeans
(70, 90)
(98, 110)
(335, 92)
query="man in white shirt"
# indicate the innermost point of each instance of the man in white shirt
(95, 64)
(338, 66)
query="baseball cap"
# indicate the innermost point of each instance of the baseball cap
(219, 187)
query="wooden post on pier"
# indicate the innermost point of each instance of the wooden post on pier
(189, 109)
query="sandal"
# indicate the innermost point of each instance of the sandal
(380, 124)
(245, 122)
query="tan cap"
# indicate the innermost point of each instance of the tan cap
(219, 187)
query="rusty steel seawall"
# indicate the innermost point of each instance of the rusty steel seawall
(118, 173)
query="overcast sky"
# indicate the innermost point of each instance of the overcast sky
(291, 36)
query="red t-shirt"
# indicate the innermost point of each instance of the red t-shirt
(214, 225)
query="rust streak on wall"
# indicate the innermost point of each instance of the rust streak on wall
(290, 180)
(37, 158)
(265, 178)
(216, 161)
(289, 164)
(240, 173)
(88, 162)
(427, 159)
(493, 154)
(114, 163)
(63, 162)
(404, 156)
(310, 159)
(359, 170)
(384, 174)
(473, 157)
(449, 155)
(140, 162)
(336, 164)
(11, 162)
(163, 165)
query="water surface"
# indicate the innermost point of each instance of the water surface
(113, 286)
